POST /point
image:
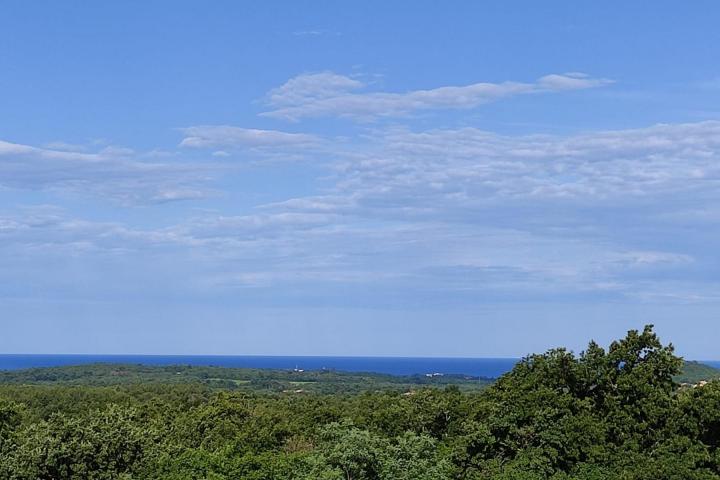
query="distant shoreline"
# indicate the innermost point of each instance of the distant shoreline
(479, 367)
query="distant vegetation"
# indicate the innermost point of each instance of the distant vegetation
(246, 379)
(695, 372)
(270, 380)
(619, 413)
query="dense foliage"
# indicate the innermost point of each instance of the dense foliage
(605, 414)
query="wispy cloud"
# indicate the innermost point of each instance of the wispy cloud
(315, 33)
(464, 212)
(225, 136)
(330, 94)
(534, 213)
(468, 168)
(115, 173)
(317, 253)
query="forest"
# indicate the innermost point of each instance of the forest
(621, 412)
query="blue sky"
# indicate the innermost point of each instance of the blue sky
(357, 178)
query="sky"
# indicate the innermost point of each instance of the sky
(408, 178)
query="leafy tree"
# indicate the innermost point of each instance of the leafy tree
(101, 445)
(556, 412)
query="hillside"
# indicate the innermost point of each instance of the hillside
(694, 372)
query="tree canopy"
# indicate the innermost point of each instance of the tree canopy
(604, 413)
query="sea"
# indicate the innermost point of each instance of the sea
(476, 367)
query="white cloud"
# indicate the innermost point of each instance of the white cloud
(312, 86)
(8, 148)
(70, 147)
(457, 170)
(115, 173)
(326, 251)
(570, 81)
(457, 212)
(330, 94)
(580, 213)
(651, 258)
(315, 33)
(224, 136)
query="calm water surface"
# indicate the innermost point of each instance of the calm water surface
(480, 367)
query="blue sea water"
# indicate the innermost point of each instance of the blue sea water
(479, 367)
